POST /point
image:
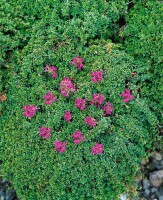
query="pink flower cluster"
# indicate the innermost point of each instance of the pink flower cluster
(97, 76)
(66, 87)
(45, 132)
(67, 116)
(97, 149)
(80, 103)
(29, 110)
(78, 137)
(91, 121)
(108, 108)
(50, 98)
(97, 100)
(51, 70)
(60, 146)
(78, 62)
(127, 96)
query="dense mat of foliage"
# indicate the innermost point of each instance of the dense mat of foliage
(41, 35)
(144, 41)
(82, 20)
(34, 166)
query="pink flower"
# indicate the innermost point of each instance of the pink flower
(60, 146)
(68, 116)
(80, 103)
(78, 62)
(97, 149)
(96, 76)
(127, 96)
(51, 70)
(91, 121)
(97, 100)
(78, 137)
(66, 87)
(29, 110)
(108, 108)
(45, 132)
(50, 98)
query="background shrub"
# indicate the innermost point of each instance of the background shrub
(143, 41)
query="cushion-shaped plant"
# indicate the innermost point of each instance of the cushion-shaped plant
(86, 143)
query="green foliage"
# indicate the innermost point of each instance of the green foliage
(144, 38)
(36, 34)
(55, 21)
(33, 166)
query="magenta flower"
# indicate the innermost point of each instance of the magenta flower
(60, 146)
(66, 87)
(29, 110)
(50, 98)
(67, 116)
(97, 99)
(45, 132)
(91, 121)
(80, 103)
(78, 62)
(108, 108)
(97, 149)
(96, 76)
(78, 137)
(127, 96)
(51, 70)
